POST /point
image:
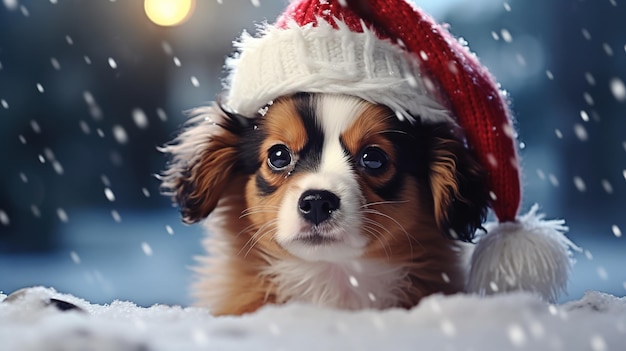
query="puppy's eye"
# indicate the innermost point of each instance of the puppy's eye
(373, 159)
(279, 157)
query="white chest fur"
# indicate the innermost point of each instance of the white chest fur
(355, 284)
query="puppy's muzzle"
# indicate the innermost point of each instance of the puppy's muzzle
(317, 206)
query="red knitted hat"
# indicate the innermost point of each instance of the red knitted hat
(389, 52)
(476, 103)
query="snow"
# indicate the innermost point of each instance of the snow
(34, 320)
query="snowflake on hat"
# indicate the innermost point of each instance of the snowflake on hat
(391, 53)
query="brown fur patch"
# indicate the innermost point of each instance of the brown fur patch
(370, 129)
(282, 126)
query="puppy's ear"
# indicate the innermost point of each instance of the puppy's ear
(203, 160)
(458, 185)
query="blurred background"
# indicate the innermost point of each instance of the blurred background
(90, 88)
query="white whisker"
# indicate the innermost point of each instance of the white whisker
(408, 236)
(384, 203)
(378, 235)
(256, 238)
(258, 209)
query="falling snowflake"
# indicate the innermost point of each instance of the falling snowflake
(147, 250)
(116, 216)
(580, 184)
(541, 174)
(108, 193)
(448, 328)
(588, 98)
(581, 132)
(62, 215)
(616, 231)
(558, 133)
(353, 281)
(105, 180)
(167, 48)
(618, 89)
(606, 185)
(112, 63)
(597, 343)
(84, 127)
(194, 81)
(516, 335)
(586, 33)
(506, 35)
(161, 114)
(445, 277)
(140, 118)
(74, 256)
(58, 167)
(55, 63)
(4, 218)
(119, 133)
(35, 210)
(94, 108)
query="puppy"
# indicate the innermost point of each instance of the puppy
(325, 199)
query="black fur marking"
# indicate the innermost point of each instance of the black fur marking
(250, 139)
(249, 148)
(468, 211)
(392, 188)
(310, 156)
(263, 186)
(64, 305)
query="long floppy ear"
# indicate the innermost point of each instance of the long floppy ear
(458, 185)
(204, 158)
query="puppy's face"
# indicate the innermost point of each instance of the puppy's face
(333, 177)
(327, 163)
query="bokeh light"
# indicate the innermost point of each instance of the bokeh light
(169, 12)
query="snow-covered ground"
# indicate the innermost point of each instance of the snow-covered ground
(35, 320)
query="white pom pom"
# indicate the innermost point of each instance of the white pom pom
(531, 254)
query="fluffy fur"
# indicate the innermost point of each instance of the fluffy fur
(325, 199)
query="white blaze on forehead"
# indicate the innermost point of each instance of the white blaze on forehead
(335, 113)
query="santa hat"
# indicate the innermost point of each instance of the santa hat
(389, 52)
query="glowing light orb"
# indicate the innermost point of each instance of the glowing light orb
(169, 12)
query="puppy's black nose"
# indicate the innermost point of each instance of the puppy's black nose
(316, 206)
